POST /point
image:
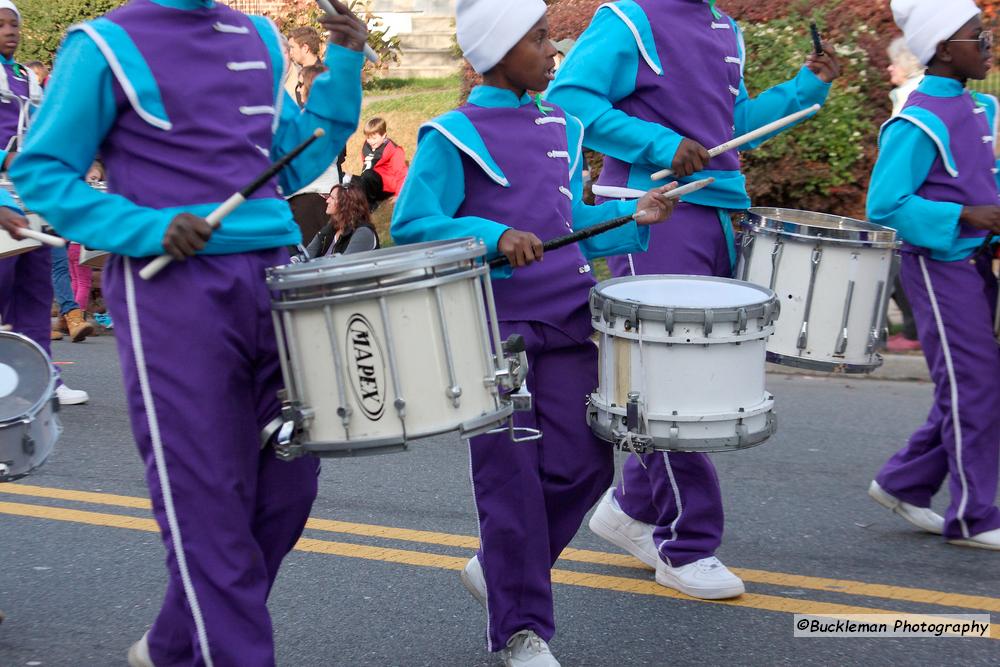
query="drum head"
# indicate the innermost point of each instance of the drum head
(684, 292)
(810, 225)
(26, 377)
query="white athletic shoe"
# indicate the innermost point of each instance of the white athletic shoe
(69, 396)
(923, 518)
(138, 654)
(526, 649)
(707, 579)
(617, 527)
(474, 581)
(988, 540)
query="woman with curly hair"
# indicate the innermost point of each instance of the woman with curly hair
(350, 229)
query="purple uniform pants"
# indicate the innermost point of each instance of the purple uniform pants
(26, 295)
(953, 304)
(678, 493)
(201, 373)
(531, 497)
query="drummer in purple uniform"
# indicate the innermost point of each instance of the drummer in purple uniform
(507, 168)
(656, 83)
(142, 85)
(935, 183)
(25, 279)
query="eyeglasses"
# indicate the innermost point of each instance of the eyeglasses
(985, 41)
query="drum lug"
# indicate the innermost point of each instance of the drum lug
(709, 322)
(841, 345)
(633, 413)
(741, 320)
(668, 321)
(817, 257)
(27, 442)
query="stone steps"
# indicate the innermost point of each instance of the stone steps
(423, 23)
(427, 40)
(408, 72)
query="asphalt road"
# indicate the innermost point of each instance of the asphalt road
(81, 576)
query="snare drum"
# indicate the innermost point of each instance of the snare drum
(382, 347)
(95, 259)
(29, 425)
(682, 362)
(833, 276)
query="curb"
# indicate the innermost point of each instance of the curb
(895, 367)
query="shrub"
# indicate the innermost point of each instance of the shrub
(46, 22)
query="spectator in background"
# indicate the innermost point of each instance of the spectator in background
(384, 164)
(41, 70)
(309, 204)
(905, 73)
(350, 227)
(304, 46)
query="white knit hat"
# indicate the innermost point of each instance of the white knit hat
(927, 23)
(488, 29)
(7, 4)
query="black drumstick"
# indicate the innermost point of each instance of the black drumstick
(817, 42)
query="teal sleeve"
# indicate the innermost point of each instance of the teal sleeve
(78, 112)
(623, 240)
(905, 159)
(334, 106)
(805, 90)
(7, 201)
(599, 71)
(432, 194)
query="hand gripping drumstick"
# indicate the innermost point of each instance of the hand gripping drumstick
(47, 239)
(215, 217)
(749, 136)
(606, 226)
(331, 11)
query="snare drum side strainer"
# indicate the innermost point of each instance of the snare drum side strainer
(383, 347)
(29, 425)
(682, 362)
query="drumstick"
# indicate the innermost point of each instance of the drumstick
(331, 11)
(817, 42)
(607, 225)
(47, 239)
(234, 202)
(749, 136)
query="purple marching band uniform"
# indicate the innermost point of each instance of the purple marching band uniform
(643, 76)
(25, 279)
(936, 157)
(497, 163)
(184, 100)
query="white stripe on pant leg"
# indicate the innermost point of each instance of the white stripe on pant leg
(955, 418)
(680, 507)
(161, 466)
(479, 532)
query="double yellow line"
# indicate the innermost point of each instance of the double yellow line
(621, 584)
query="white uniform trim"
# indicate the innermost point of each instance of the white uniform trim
(638, 39)
(231, 29)
(482, 547)
(500, 180)
(247, 65)
(677, 500)
(567, 192)
(161, 465)
(258, 111)
(579, 149)
(953, 389)
(123, 80)
(545, 120)
(937, 142)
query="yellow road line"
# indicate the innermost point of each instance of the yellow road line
(444, 562)
(842, 586)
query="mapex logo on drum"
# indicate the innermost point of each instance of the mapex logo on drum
(368, 367)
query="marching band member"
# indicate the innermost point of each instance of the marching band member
(655, 82)
(506, 168)
(142, 85)
(26, 288)
(935, 183)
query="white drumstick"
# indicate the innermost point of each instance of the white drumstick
(331, 11)
(42, 237)
(749, 136)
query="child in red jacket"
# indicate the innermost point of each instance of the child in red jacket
(384, 164)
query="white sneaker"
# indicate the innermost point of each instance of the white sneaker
(923, 518)
(69, 396)
(526, 649)
(138, 654)
(707, 579)
(474, 581)
(613, 524)
(988, 540)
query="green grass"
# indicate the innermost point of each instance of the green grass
(412, 85)
(991, 84)
(426, 104)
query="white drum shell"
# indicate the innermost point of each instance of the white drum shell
(10, 247)
(95, 259)
(831, 343)
(27, 440)
(698, 392)
(362, 339)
